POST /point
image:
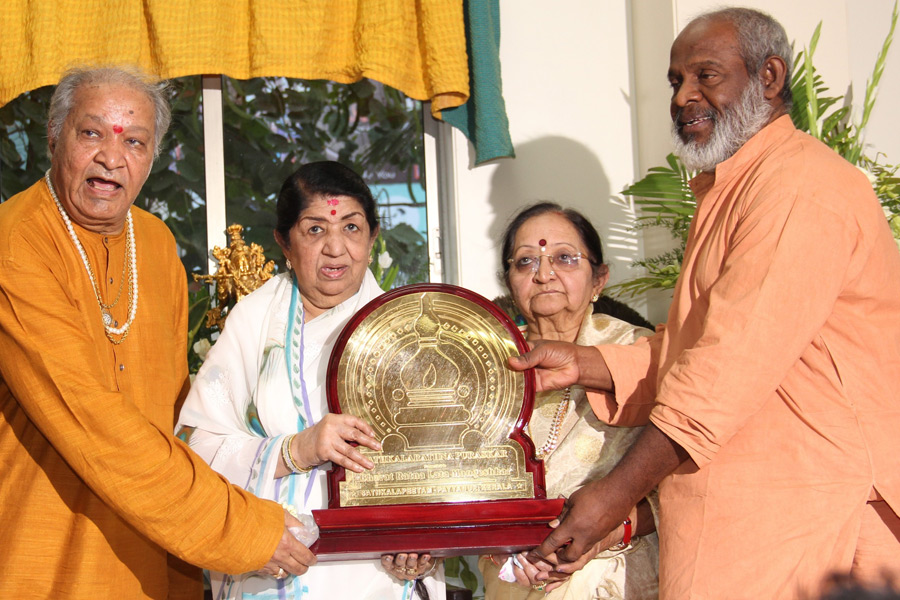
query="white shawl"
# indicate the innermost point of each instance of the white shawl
(242, 404)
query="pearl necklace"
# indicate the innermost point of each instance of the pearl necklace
(131, 259)
(553, 437)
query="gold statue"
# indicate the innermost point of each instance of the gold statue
(242, 269)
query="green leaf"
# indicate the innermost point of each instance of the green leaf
(469, 579)
(812, 104)
(451, 566)
(856, 149)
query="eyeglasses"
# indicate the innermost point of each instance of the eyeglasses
(563, 260)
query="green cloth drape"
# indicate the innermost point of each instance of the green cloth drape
(483, 117)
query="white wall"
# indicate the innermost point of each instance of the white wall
(585, 89)
(567, 85)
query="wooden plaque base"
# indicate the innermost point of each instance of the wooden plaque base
(440, 529)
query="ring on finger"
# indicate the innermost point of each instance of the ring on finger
(280, 574)
(538, 587)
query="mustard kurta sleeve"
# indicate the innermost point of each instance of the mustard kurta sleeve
(96, 489)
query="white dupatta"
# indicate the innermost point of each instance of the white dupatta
(249, 394)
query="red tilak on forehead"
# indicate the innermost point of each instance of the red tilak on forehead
(117, 129)
(333, 202)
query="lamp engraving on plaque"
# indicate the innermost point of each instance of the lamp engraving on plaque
(427, 371)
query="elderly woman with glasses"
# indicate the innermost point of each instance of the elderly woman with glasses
(553, 267)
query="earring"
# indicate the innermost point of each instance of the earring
(370, 259)
(595, 297)
(288, 264)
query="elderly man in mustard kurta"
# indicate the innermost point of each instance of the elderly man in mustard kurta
(98, 499)
(773, 392)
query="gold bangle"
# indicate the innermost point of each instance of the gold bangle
(289, 459)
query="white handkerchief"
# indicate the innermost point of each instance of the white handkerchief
(506, 571)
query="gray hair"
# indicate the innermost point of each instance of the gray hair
(63, 99)
(759, 37)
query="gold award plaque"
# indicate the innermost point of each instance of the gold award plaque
(428, 372)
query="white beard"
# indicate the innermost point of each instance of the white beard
(731, 130)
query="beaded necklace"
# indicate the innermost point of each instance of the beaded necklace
(130, 259)
(553, 437)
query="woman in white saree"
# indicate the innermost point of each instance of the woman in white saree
(257, 412)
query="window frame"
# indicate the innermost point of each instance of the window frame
(439, 209)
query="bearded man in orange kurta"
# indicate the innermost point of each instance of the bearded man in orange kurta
(98, 499)
(773, 391)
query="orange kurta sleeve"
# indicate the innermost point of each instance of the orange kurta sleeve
(633, 370)
(95, 485)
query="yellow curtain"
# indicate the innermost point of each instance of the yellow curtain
(415, 46)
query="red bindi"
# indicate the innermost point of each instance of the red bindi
(117, 129)
(542, 242)
(334, 212)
